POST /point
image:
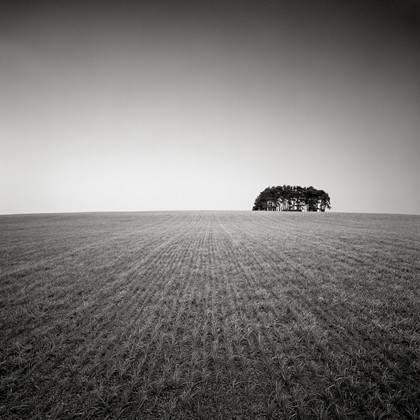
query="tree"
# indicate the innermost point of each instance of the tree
(288, 198)
(325, 201)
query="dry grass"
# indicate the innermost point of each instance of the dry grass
(210, 315)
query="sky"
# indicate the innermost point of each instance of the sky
(186, 105)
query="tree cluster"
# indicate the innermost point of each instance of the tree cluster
(288, 198)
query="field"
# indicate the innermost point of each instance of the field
(210, 315)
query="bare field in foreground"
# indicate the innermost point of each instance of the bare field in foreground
(210, 315)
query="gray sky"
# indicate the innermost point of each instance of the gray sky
(109, 106)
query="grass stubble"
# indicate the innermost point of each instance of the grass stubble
(210, 315)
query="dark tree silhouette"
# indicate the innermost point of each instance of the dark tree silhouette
(288, 198)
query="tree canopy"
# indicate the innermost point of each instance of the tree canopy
(288, 198)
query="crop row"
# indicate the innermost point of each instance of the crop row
(209, 315)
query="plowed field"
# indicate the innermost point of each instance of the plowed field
(210, 315)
